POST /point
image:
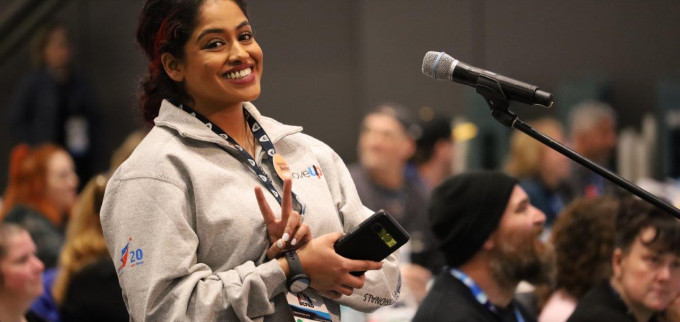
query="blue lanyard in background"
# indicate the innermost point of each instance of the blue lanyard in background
(479, 294)
(264, 141)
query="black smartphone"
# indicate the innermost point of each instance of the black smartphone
(374, 239)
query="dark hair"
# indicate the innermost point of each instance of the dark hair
(164, 27)
(398, 112)
(583, 236)
(431, 131)
(636, 215)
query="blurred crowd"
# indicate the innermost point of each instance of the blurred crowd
(547, 240)
(587, 229)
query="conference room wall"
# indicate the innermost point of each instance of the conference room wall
(327, 62)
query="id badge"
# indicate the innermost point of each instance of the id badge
(308, 306)
(77, 137)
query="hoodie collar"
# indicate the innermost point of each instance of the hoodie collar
(184, 124)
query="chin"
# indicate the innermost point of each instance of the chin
(35, 291)
(657, 304)
(371, 165)
(251, 92)
(252, 97)
(244, 97)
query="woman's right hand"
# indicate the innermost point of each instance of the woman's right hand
(280, 231)
(329, 272)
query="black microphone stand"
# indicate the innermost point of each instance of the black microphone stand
(492, 92)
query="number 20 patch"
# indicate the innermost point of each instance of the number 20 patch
(130, 257)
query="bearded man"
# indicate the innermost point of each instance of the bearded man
(489, 233)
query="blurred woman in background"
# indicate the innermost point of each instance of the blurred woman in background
(20, 270)
(541, 170)
(645, 276)
(55, 103)
(86, 287)
(583, 237)
(39, 196)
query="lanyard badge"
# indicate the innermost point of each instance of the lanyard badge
(280, 165)
(479, 295)
(308, 307)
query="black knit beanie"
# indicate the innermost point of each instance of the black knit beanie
(466, 209)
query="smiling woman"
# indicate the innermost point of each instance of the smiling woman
(20, 273)
(186, 191)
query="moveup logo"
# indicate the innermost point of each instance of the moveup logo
(310, 172)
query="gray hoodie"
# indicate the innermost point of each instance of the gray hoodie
(186, 235)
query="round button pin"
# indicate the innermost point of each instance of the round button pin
(281, 167)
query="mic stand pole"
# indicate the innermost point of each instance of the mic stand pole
(492, 92)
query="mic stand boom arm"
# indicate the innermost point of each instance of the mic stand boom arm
(491, 90)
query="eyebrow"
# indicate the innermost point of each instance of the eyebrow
(220, 30)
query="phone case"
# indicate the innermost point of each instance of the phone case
(374, 239)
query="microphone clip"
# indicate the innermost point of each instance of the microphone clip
(489, 87)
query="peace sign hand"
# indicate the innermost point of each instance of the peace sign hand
(290, 225)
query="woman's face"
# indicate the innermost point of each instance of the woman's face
(223, 62)
(650, 279)
(62, 181)
(20, 268)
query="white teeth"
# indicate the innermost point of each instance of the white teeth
(239, 74)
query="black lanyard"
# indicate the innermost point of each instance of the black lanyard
(264, 141)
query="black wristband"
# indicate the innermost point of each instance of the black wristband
(298, 281)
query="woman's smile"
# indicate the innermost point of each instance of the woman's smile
(240, 75)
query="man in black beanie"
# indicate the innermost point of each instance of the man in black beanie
(488, 232)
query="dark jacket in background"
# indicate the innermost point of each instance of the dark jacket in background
(94, 295)
(450, 300)
(602, 303)
(32, 317)
(549, 201)
(40, 109)
(583, 182)
(408, 205)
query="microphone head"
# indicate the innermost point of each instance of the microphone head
(438, 65)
